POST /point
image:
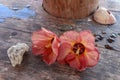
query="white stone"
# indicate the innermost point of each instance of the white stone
(16, 52)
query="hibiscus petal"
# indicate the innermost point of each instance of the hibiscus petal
(40, 51)
(87, 39)
(82, 61)
(46, 51)
(43, 43)
(69, 36)
(74, 63)
(86, 35)
(42, 35)
(37, 35)
(39, 41)
(35, 50)
(64, 50)
(92, 57)
(55, 45)
(70, 57)
(47, 33)
(50, 58)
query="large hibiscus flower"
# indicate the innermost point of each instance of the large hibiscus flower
(78, 50)
(45, 43)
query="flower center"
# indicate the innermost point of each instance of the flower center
(52, 40)
(50, 44)
(78, 48)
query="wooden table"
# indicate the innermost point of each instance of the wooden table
(14, 30)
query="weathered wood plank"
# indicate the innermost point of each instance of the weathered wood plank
(108, 68)
(32, 68)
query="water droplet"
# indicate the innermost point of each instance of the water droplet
(98, 38)
(15, 9)
(119, 34)
(113, 35)
(28, 6)
(13, 33)
(103, 32)
(107, 46)
(110, 40)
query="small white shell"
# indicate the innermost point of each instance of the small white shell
(103, 16)
(16, 52)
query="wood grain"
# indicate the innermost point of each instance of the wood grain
(33, 68)
(72, 9)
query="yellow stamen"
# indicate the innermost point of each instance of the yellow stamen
(47, 46)
(77, 52)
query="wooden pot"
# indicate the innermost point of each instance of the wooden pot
(70, 9)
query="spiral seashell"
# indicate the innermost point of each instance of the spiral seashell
(103, 16)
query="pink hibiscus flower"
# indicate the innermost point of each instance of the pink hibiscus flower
(78, 50)
(45, 43)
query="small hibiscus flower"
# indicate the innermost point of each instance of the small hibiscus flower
(45, 43)
(78, 50)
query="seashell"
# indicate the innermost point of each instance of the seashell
(16, 52)
(103, 16)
